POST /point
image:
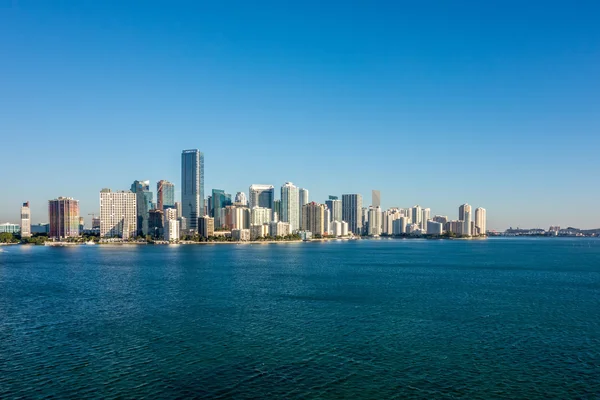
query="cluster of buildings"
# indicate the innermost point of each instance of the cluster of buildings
(127, 214)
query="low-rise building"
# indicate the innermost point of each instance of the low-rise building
(241, 235)
(280, 228)
(259, 231)
(206, 226)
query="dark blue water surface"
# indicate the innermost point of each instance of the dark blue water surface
(496, 318)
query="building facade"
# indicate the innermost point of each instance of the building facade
(143, 205)
(375, 223)
(302, 201)
(481, 221)
(262, 196)
(351, 212)
(220, 200)
(313, 215)
(465, 215)
(172, 231)
(192, 187)
(118, 214)
(260, 216)
(25, 220)
(206, 226)
(64, 217)
(335, 206)
(165, 195)
(289, 205)
(240, 198)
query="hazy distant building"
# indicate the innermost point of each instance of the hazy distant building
(206, 226)
(25, 220)
(7, 227)
(143, 204)
(351, 212)
(165, 195)
(118, 214)
(96, 223)
(364, 213)
(335, 206)
(192, 186)
(81, 225)
(289, 205)
(313, 215)
(481, 221)
(442, 219)
(425, 216)
(302, 201)
(399, 225)
(465, 215)
(64, 217)
(376, 198)
(374, 221)
(434, 228)
(416, 215)
(240, 198)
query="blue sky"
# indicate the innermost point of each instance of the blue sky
(435, 103)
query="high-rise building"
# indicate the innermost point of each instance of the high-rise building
(263, 196)
(157, 222)
(434, 228)
(165, 195)
(352, 212)
(235, 217)
(302, 200)
(260, 216)
(143, 204)
(374, 221)
(441, 219)
(25, 220)
(364, 215)
(240, 198)
(96, 223)
(465, 215)
(280, 228)
(118, 214)
(179, 209)
(64, 217)
(335, 206)
(81, 225)
(416, 215)
(289, 206)
(172, 231)
(481, 220)
(276, 210)
(220, 200)
(313, 215)
(206, 226)
(376, 198)
(192, 186)
(425, 216)
(399, 225)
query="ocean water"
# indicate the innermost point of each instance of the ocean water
(380, 319)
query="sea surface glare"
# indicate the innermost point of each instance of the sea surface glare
(373, 319)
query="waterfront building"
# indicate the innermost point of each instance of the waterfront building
(143, 205)
(464, 213)
(455, 227)
(165, 195)
(118, 214)
(314, 218)
(42, 229)
(276, 210)
(220, 200)
(192, 186)
(206, 226)
(179, 209)
(481, 221)
(335, 206)
(7, 227)
(351, 212)
(235, 217)
(345, 228)
(81, 225)
(416, 215)
(263, 196)
(280, 228)
(425, 216)
(413, 229)
(305, 235)
(64, 217)
(240, 235)
(399, 225)
(172, 231)
(289, 205)
(260, 215)
(387, 220)
(240, 198)
(365, 221)
(25, 220)
(336, 228)
(327, 221)
(302, 201)
(374, 221)
(258, 231)
(157, 222)
(376, 198)
(434, 228)
(442, 219)
(96, 223)
(170, 213)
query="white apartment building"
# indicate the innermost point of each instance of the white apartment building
(118, 214)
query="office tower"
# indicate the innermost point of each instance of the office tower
(464, 213)
(25, 220)
(192, 187)
(481, 221)
(172, 231)
(263, 196)
(416, 215)
(374, 221)
(209, 206)
(434, 228)
(313, 215)
(376, 198)
(276, 210)
(156, 222)
(289, 205)
(118, 214)
(425, 216)
(302, 200)
(335, 206)
(165, 195)
(64, 217)
(260, 216)
(240, 198)
(206, 226)
(220, 200)
(351, 212)
(144, 205)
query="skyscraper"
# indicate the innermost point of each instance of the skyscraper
(64, 217)
(425, 216)
(165, 195)
(220, 200)
(25, 220)
(313, 215)
(289, 205)
(118, 214)
(464, 213)
(335, 206)
(303, 199)
(416, 215)
(276, 210)
(192, 186)
(240, 198)
(143, 204)
(263, 196)
(374, 221)
(481, 220)
(352, 212)
(376, 198)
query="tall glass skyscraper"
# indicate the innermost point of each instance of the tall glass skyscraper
(64, 217)
(143, 197)
(263, 196)
(165, 193)
(289, 205)
(351, 212)
(220, 200)
(192, 186)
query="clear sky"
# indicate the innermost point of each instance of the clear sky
(437, 103)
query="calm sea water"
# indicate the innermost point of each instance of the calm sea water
(501, 318)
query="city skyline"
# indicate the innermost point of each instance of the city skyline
(495, 107)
